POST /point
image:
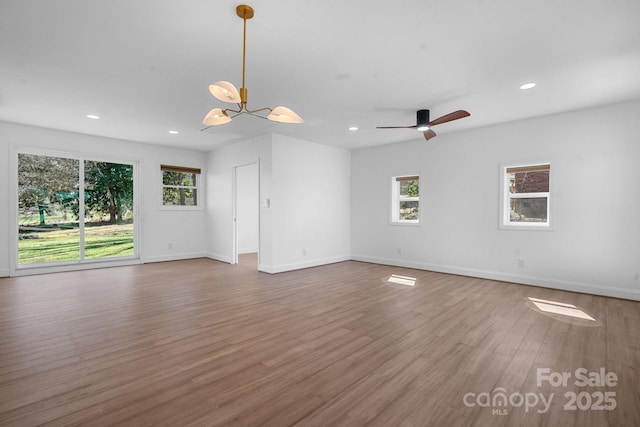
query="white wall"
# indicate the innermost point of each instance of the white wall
(307, 222)
(329, 204)
(221, 162)
(159, 228)
(311, 204)
(247, 215)
(595, 243)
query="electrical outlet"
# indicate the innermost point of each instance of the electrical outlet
(170, 246)
(304, 252)
(520, 263)
(399, 251)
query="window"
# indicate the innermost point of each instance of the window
(526, 196)
(73, 210)
(180, 186)
(405, 199)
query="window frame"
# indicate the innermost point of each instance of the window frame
(199, 188)
(506, 197)
(396, 199)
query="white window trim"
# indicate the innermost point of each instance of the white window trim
(199, 187)
(395, 200)
(505, 196)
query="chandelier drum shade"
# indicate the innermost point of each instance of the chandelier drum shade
(227, 92)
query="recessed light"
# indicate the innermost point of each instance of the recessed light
(174, 132)
(353, 128)
(93, 116)
(527, 86)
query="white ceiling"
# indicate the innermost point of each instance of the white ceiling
(144, 66)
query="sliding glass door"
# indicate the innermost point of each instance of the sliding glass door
(48, 226)
(72, 210)
(108, 195)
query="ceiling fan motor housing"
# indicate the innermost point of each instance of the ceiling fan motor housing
(422, 118)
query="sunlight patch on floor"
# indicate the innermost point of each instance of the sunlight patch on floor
(401, 280)
(561, 311)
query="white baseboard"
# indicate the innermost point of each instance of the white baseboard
(484, 274)
(174, 257)
(544, 282)
(218, 257)
(300, 265)
(247, 251)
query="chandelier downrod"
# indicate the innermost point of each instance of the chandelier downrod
(245, 12)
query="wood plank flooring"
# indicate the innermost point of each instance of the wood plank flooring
(204, 343)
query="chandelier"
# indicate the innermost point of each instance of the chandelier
(227, 92)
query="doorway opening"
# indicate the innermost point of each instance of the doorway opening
(246, 215)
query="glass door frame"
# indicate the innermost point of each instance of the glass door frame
(18, 269)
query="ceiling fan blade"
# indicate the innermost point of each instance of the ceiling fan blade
(396, 127)
(428, 134)
(449, 117)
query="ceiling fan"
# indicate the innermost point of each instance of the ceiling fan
(424, 125)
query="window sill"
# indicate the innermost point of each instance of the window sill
(406, 224)
(526, 227)
(74, 265)
(180, 208)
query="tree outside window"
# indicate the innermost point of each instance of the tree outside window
(73, 209)
(526, 196)
(405, 197)
(180, 185)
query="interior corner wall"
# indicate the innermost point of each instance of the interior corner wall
(221, 163)
(158, 228)
(311, 204)
(306, 221)
(594, 246)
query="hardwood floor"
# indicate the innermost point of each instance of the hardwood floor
(203, 343)
(249, 260)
